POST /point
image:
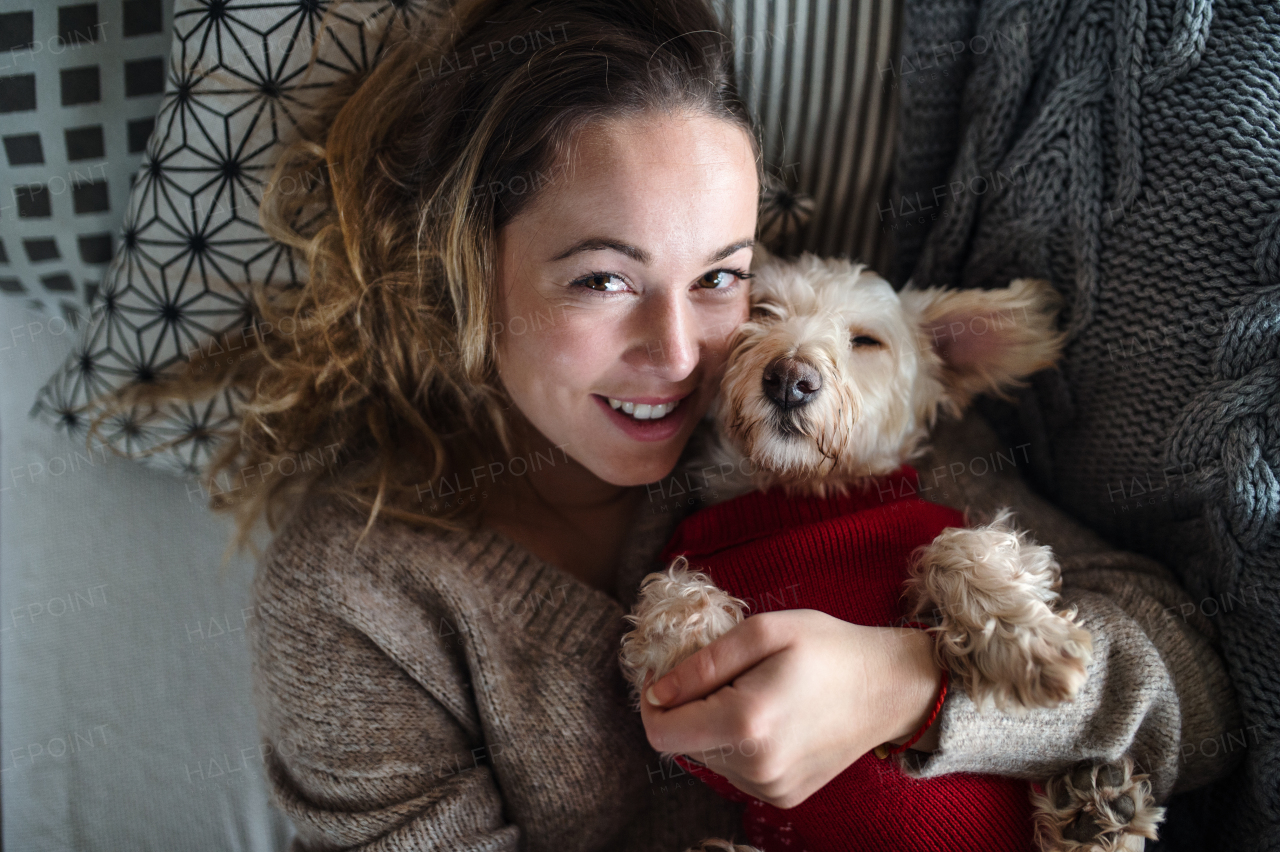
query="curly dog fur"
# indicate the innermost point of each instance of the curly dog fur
(993, 594)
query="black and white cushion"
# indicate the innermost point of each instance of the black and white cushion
(237, 84)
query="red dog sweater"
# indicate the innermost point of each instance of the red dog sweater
(847, 556)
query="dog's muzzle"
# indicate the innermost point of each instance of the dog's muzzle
(790, 383)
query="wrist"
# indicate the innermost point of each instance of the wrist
(919, 682)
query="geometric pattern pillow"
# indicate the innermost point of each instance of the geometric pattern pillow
(80, 84)
(236, 89)
(814, 76)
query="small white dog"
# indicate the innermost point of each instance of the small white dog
(834, 383)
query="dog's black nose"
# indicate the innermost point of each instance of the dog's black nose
(791, 383)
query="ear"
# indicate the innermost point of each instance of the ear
(986, 341)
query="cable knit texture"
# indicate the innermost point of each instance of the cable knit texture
(453, 691)
(1129, 151)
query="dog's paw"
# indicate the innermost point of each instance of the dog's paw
(716, 844)
(993, 594)
(1056, 662)
(1097, 808)
(679, 611)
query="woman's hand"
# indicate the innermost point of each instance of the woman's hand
(785, 701)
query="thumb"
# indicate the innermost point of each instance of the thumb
(706, 670)
(665, 691)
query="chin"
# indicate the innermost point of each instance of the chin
(624, 469)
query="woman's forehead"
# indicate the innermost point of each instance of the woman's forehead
(655, 180)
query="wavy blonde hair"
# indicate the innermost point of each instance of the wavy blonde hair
(396, 194)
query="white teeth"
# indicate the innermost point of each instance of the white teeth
(642, 411)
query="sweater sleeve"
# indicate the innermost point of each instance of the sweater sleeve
(1157, 688)
(358, 754)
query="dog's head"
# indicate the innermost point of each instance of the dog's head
(837, 377)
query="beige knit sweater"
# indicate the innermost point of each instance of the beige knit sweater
(453, 691)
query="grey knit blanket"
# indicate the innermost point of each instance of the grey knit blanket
(1129, 151)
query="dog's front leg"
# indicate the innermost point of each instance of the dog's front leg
(993, 594)
(679, 611)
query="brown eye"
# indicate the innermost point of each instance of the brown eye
(601, 281)
(865, 340)
(722, 279)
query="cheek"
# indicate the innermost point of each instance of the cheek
(554, 360)
(540, 348)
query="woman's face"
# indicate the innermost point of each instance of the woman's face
(620, 285)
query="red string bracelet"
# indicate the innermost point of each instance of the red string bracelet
(884, 750)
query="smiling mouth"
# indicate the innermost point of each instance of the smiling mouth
(641, 411)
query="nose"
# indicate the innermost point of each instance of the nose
(669, 338)
(791, 383)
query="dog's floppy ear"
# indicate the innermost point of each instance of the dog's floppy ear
(986, 341)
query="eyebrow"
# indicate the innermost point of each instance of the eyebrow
(638, 254)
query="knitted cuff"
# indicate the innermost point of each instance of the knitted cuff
(992, 741)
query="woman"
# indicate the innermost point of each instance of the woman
(529, 249)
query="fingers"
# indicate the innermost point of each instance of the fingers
(755, 706)
(736, 718)
(701, 728)
(730, 734)
(717, 664)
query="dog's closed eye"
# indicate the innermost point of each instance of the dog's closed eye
(859, 341)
